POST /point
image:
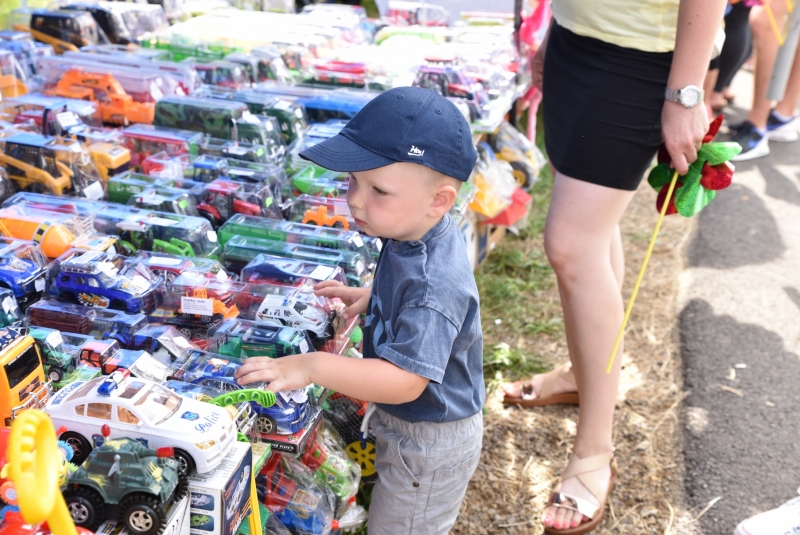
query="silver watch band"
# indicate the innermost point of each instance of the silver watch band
(673, 95)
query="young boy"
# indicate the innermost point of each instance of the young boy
(408, 152)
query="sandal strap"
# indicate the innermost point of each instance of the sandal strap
(578, 468)
(579, 505)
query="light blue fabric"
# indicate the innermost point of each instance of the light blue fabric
(424, 316)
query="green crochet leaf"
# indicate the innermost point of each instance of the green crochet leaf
(719, 152)
(692, 198)
(659, 176)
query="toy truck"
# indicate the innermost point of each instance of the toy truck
(272, 229)
(23, 268)
(452, 81)
(116, 106)
(58, 361)
(229, 74)
(240, 250)
(63, 30)
(145, 140)
(55, 233)
(102, 323)
(169, 267)
(122, 22)
(53, 117)
(122, 187)
(321, 105)
(31, 162)
(126, 480)
(100, 279)
(242, 339)
(271, 269)
(22, 379)
(12, 77)
(222, 199)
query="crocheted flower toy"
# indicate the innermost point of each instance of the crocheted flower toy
(710, 173)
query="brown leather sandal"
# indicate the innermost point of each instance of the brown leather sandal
(530, 398)
(577, 468)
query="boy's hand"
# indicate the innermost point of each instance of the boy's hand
(356, 299)
(286, 373)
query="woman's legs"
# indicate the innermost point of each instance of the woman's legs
(584, 247)
(738, 43)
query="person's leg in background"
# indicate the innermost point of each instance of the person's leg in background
(782, 123)
(583, 244)
(737, 48)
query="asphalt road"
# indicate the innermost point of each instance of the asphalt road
(740, 335)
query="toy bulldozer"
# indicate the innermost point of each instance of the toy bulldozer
(318, 215)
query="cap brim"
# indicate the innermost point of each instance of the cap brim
(341, 154)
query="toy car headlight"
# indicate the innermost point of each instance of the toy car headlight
(206, 445)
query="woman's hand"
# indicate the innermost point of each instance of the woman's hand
(356, 299)
(683, 130)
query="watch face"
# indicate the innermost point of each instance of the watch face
(690, 97)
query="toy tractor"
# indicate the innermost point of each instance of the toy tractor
(218, 311)
(319, 216)
(124, 479)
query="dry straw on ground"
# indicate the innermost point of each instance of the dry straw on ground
(525, 450)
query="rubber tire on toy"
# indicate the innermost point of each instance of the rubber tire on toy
(338, 225)
(265, 425)
(182, 489)
(142, 515)
(80, 446)
(185, 462)
(215, 223)
(364, 457)
(86, 507)
(186, 331)
(521, 175)
(56, 374)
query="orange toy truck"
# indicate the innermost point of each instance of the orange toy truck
(319, 216)
(116, 106)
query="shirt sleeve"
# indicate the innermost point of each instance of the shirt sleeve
(423, 341)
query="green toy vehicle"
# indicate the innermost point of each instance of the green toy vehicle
(58, 361)
(122, 478)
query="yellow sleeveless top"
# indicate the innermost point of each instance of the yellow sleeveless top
(648, 25)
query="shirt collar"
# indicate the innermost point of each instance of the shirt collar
(435, 231)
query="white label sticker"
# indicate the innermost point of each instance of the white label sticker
(54, 339)
(378, 244)
(268, 125)
(94, 191)
(67, 119)
(298, 396)
(303, 346)
(149, 368)
(8, 304)
(197, 305)
(139, 283)
(164, 261)
(182, 342)
(321, 273)
(221, 275)
(39, 284)
(241, 172)
(112, 250)
(212, 236)
(357, 240)
(341, 209)
(161, 221)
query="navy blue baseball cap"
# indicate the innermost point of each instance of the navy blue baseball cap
(405, 124)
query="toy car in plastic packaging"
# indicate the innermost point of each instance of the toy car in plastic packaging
(145, 411)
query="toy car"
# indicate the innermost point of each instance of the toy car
(451, 81)
(163, 342)
(123, 475)
(264, 268)
(209, 369)
(145, 411)
(22, 269)
(241, 339)
(102, 322)
(58, 361)
(169, 267)
(200, 500)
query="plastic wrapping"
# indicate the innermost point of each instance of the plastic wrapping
(240, 250)
(170, 267)
(345, 415)
(324, 212)
(290, 232)
(12, 76)
(122, 23)
(146, 140)
(494, 182)
(289, 491)
(242, 339)
(166, 344)
(264, 268)
(10, 313)
(64, 30)
(331, 466)
(526, 160)
(321, 105)
(23, 269)
(102, 279)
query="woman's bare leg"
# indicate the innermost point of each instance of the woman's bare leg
(583, 245)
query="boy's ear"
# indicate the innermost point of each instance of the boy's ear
(444, 196)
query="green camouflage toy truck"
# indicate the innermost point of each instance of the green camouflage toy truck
(124, 479)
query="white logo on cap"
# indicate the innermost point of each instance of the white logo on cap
(415, 151)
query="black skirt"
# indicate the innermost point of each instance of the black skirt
(602, 108)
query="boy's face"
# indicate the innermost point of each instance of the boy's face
(400, 201)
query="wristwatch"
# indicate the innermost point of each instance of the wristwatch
(690, 96)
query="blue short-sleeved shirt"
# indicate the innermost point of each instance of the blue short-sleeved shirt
(424, 316)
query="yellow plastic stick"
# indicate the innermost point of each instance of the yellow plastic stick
(774, 24)
(641, 271)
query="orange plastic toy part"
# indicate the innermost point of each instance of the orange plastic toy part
(319, 216)
(218, 306)
(116, 106)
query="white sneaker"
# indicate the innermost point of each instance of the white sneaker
(785, 520)
(782, 132)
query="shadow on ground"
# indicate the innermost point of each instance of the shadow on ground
(731, 447)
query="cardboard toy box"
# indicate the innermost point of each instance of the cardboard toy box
(177, 522)
(220, 499)
(295, 444)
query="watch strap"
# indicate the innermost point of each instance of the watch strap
(673, 95)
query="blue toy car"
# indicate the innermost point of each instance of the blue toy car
(99, 279)
(285, 417)
(22, 269)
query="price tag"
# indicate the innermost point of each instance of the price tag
(180, 341)
(357, 240)
(164, 261)
(161, 221)
(321, 273)
(149, 368)
(197, 305)
(212, 236)
(222, 276)
(297, 396)
(39, 284)
(273, 300)
(54, 339)
(378, 244)
(8, 304)
(94, 191)
(303, 346)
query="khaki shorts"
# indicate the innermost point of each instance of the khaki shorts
(423, 472)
